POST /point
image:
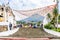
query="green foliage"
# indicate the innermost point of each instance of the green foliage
(55, 12)
(59, 17)
(33, 23)
(18, 22)
(58, 29)
(54, 29)
(25, 24)
(49, 26)
(53, 21)
(59, 21)
(22, 22)
(48, 15)
(38, 23)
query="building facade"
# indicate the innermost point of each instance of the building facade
(6, 17)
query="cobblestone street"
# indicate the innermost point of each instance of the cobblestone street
(31, 33)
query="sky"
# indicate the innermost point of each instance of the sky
(27, 4)
(59, 6)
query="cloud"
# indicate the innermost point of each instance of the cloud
(21, 4)
(19, 16)
(59, 7)
(43, 3)
(27, 4)
(3, 1)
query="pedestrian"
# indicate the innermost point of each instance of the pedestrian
(35, 26)
(10, 26)
(41, 26)
(20, 25)
(30, 25)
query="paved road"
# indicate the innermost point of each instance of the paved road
(31, 32)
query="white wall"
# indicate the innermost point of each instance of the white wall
(10, 19)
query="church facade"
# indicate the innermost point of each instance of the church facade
(6, 17)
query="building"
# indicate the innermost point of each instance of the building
(6, 17)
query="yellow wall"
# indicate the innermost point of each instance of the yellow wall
(1, 19)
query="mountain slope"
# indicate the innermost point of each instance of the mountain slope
(34, 18)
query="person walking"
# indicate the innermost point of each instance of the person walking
(20, 25)
(10, 26)
(35, 26)
(41, 26)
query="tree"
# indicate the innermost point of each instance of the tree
(55, 12)
(54, 21)
(48, 16)
(38, 23)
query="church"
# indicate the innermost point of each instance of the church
(6, 17)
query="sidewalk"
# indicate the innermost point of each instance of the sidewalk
(9, 32)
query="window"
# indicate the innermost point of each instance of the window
(1, 15)
(2, 9)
